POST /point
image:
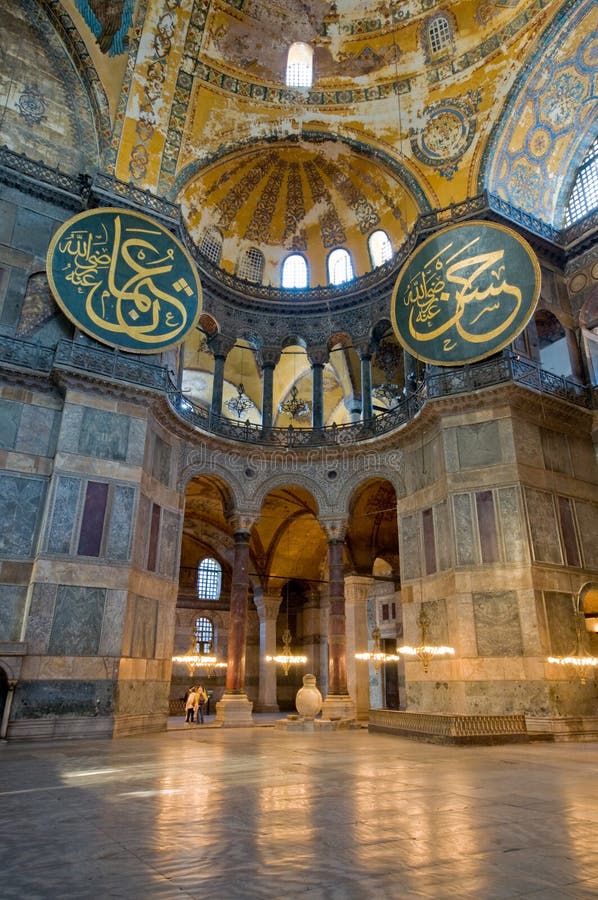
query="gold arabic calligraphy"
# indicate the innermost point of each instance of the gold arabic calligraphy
(132, 303)
(461, 292)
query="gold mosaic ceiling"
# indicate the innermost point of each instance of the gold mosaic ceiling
(308, 198)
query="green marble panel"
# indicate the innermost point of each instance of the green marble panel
(64, 512)
(511, 525)
(543, 527)
(478, 445)
(118, 545)
(21, 505)
(77, 624)
(464, 531)
(12, 606)
(587, 518)
(497, 625)
(104, 434)
(43, 699)
(560, 618)
(410, 547)
(10, 417)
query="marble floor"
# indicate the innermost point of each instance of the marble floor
(204, 812)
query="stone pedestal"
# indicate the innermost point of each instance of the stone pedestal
(562, 728)
(234, 711)
(338, 706)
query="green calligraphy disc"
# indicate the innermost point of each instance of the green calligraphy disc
(465, 293)
(124, 279)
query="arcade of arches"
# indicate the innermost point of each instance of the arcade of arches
(338, 483)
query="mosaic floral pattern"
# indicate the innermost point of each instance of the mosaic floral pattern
(32, 105)
(447, 133)
(259, 225)
(230, 205)
(556, 97)
(366, 215)
(333, 233)
(295, 237)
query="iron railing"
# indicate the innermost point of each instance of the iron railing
(114, 366)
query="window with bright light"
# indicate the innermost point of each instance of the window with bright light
(204, 634)
(251, 267)
(584, 196)
(300, 66)
(380, 248)
(211, 245)
(340, 267)
(439, 35)
(294, 272)
(209, 579)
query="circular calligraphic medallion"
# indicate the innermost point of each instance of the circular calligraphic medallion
(124, 279)
(464, 294)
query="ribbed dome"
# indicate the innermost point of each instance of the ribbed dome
(297, 196)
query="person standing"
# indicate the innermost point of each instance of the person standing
(201, 699)
(190, 704)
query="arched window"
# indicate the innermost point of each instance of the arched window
(340, 267)
(211, 245)
(439, 35)
(584, 196)
(209, 579)
(300, 66)
(380, 247)
(251, 266)
(294, 272)
(204, 634)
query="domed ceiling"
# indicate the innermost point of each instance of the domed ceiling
(298, 197)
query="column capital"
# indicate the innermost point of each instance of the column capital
(268, 607)
(318, 356)
(365, 349)
(335, 529)
(358, 588)
(268, 356)
(241, 525)
(220, 345)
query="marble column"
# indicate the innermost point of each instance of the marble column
(12, 683)
(269, 357)
(220, 348)
(234, 709)
(410, 370)
(338, 704)
(357, 591)
(267, 610)
(574, 355)
(318, 357)
(367, 408)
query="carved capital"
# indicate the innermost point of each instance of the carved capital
(268, 607)
(268, 356)
(335, 528)
(220, 345)
(318, 356)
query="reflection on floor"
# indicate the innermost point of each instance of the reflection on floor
(204, 812)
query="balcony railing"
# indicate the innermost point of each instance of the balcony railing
(114, 366)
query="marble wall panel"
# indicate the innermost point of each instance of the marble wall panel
(21, 506)
(143, 644)
(514, 537)
(63, 515)
(584, 459)
(466, 547)
(77, 624)
(111, 640)
(136, 448)
(555, 450)
(528, 445)
(169, 543)
(141, 531)
(484, 501)
(10, 418)
(587, 519)
(543, 526)
(12, 607)
(104, 434)
(118, 545)
(38, 431)
(444, 539)
(410, 547)
(498, 629)
(161, 460)
(68, 439)
(40, 618)
(560, 618)
(428, 540)
(41, 699)
(478, 445)
(438, 631)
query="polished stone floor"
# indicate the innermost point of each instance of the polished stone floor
(203, 812)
